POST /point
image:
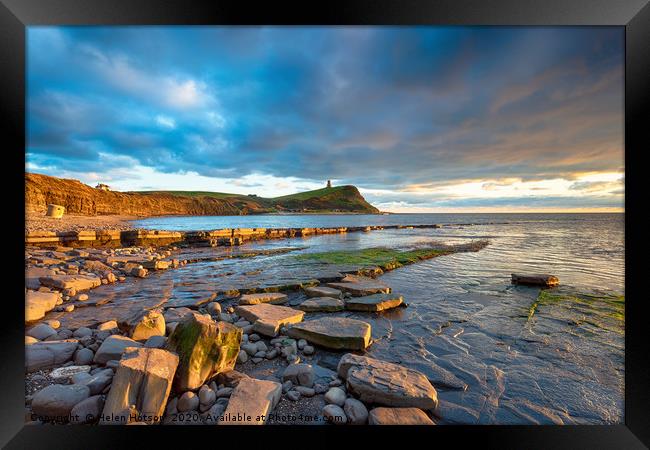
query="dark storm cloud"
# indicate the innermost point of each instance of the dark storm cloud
(380, 108)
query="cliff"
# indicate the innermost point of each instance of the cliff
(79, 198)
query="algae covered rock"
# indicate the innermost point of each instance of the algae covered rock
(204, 348)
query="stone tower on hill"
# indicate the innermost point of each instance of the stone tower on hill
(329, 183)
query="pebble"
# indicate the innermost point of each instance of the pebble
(301, 344)
(41, 331)
(242, 357)
(336, 382)
(356, 412)
(207, 396)
(294, 396)
(83, 297)
(254, 337)
(335, 396)
(82, 332)
(320, 388)
(287, 386)
(189, 401)
(83, 356)
(257, 360)
(308, 350)
(271, 354)
(251, 349)
(261, 354)
(305, 391)
(261, 346)
(224, 392)
(69, 308)
(334, 414)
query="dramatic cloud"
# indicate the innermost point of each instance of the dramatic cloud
(419, 118)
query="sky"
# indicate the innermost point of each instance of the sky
(420, 119)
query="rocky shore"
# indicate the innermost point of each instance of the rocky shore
(37, 221)
(246, 358)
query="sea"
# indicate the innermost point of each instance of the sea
(494, 351)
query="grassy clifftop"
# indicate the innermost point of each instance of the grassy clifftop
(79, 198)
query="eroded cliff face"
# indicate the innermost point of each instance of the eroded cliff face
(79, 198)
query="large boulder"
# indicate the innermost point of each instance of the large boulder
(140, 386)
(113, 347)
(380, 382)
(55, 401)
(334, 332)
(37, 304)
(267, 319)
(398, 416)
(275, 298)
(43, 355)
(251, 402)
(205, 348)
(143, 324)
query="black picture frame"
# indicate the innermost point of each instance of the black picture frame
(634, 15)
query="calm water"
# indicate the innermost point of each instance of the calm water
(467, 327)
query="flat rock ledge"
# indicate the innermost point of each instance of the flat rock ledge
(323, 291)
(359, 286)
(374, 303)
(535, 279)
(398, 416)
(275, 298)
(379, 382)
(322, 304)
(251, 402)
(267, 319)
(338, 333)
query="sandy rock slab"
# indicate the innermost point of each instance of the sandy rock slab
(322, 304)
(76, 282)
(380, 382)
(205, 348)
(334, 332)
(43, 355)
(275, 298)
(140, 386)
(374, 303)
(358, 286)
(398, 416)
(323, 291)
(37, 304)
(267, 319)
(251, 402)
